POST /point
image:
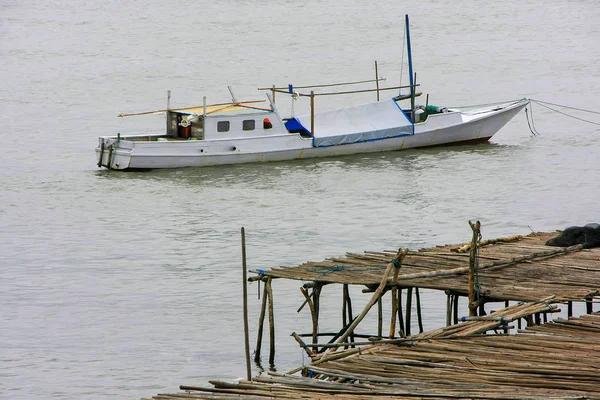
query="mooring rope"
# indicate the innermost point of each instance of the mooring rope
(532, 129)
(544, 104)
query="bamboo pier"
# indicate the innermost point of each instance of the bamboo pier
(472, 357)
(516, 268)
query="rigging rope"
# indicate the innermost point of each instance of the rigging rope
(543, 104)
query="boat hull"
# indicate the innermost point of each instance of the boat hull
(437, 130)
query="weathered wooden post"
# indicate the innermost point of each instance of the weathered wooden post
(473, 265)
(392, 332)
(271, 322)
(419, 316)
(261, 323)
(245, 294)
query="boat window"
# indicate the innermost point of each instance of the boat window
(248, 125)
(223, 126)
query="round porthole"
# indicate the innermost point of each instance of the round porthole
(234, 148)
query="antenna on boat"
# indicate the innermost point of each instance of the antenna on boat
(233, 98)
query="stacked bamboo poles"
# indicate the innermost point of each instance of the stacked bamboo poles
(557, 360)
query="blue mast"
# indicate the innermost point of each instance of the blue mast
(410, 66)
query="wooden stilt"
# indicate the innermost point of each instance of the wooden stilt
(245, 295)
(570, 309)
(419, 316)
(455, 308)
(350, 317)
(344, 304)
(316, 298)
(472, 268)
(271, 322)
(448, 308)
(261, 322)
(379, 317)
(392, 331)
(408, 310)
(400, 313)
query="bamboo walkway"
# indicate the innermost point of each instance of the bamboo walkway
(518, 268)
(556, 360)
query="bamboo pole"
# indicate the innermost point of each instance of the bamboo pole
(245, 294)
(472, 265)
(271, 322)
(408, 309)
(448, 308)
(419, 316)
(350, 317)
(261, 323)
(344, 304)
(313, 314)
(398, 259)
(303, 345)
(400, 313)
(392, 331)
(455, 308)
(322, 86)
(317, 304)
(379, 317)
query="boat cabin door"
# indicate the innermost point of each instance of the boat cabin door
(185, 126)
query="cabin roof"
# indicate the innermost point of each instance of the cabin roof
(226, 109)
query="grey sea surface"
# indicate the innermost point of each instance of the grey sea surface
(129, 284)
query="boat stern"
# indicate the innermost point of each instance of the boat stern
(113, 153)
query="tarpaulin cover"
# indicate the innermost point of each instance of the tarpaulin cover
(362, 123)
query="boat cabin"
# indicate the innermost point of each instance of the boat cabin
(225, 121)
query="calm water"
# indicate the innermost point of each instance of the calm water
(128, 284)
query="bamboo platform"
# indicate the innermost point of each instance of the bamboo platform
(517, 268)
(556, 360)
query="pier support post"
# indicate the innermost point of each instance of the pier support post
(271, 322)
(570, 309)
(473, 267)
(448, 308)
(408, 309)
(261, 323)
(245, 294)
(392, 331)
(419, 316)
(400, 314)
(455, 308)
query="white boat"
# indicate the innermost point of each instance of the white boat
(247, 132)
